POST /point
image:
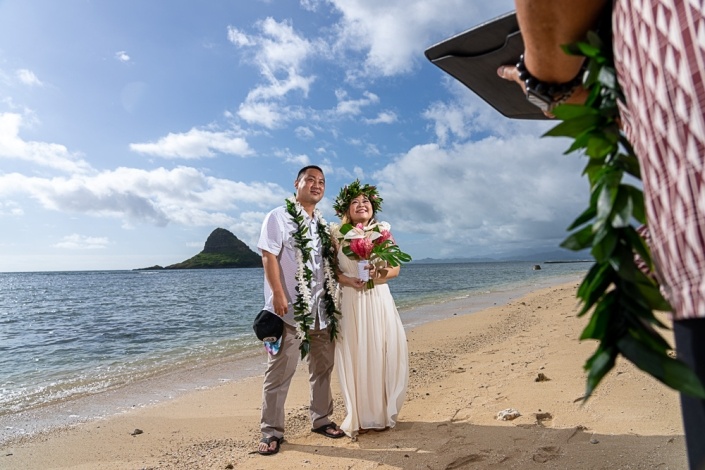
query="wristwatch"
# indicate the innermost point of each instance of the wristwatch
(546, 96)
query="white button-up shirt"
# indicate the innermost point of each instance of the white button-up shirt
(277, 238)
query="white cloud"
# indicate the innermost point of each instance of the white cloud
(122, 56)
(393, 34)
(354, 107)
(182, 195)
(81, 242)
(477, 198)
(448, 119)
(304, 133)
(28, 77)
(279, 53)
(247, 226)
(10, 208)
(195, 144)
(45, 154)
(385, 117)
(300, 160)
(268, 114)
(310, 5)
(238, 38)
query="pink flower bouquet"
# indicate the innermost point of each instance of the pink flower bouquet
(371, 243)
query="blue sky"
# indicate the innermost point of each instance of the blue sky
(130, 130)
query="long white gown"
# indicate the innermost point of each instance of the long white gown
(371, 355)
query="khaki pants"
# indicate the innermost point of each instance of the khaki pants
(280, 371)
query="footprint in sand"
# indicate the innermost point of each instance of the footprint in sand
(543, 419)
(544, 454)
(463, 461)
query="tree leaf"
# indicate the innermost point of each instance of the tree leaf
(671, 372)
(597, 366)
(603, 244)
(566, 111)
(574, 127)
(599, 320)
(622, 208)
(586, 216)
(579, 240)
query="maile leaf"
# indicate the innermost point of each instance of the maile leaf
(670, 371)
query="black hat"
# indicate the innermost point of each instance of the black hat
(268, 326)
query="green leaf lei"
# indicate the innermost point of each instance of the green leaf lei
(304, 275)
(621, 296)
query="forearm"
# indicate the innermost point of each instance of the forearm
(272, 272)
(386, 273)
(546, 25)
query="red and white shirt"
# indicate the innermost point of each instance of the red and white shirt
(659, 48)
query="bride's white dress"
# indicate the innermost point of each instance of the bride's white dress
(371, 355)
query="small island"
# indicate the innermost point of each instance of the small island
(222, 250)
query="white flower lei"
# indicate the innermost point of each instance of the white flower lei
(302, 305)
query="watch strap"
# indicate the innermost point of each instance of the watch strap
(543, 94)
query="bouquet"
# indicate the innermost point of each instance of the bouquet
(373, 244)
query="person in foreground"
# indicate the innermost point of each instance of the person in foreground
(283, 230)
(659, 56)
(371, 351)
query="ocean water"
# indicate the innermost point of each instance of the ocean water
(66, 336)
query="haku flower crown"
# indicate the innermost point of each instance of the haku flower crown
(353, 190)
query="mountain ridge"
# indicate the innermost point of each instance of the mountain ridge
(222, 250)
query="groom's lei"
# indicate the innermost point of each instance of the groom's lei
(304, 275)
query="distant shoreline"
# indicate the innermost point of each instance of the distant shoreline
(570, 261)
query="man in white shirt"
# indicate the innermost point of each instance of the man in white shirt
(280, 257)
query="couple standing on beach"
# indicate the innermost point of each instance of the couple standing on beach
(316, 289)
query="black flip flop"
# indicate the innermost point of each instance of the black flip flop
(268, 440)
(322, 430)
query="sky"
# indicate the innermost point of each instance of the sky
(130, 130)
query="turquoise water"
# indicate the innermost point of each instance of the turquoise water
(71, 334)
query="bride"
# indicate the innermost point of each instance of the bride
(371, 351)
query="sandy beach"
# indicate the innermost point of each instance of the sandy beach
(524, 355)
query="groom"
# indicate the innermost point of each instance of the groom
(281, 255)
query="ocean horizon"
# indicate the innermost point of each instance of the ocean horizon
(78, 345)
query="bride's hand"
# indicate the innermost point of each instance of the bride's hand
(350, 281)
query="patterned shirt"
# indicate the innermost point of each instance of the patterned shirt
(276, 238)
(659, 48)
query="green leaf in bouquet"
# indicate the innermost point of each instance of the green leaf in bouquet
(349, 253)
(389, 252)
(345, 228)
